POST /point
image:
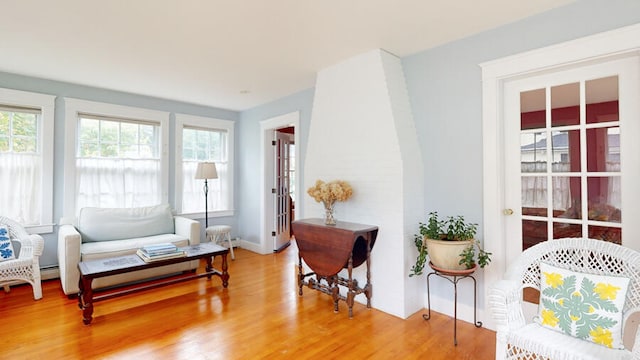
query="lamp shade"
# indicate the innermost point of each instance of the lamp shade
(206, 170)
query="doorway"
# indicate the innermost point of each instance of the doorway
(279, 138)
(284, 186)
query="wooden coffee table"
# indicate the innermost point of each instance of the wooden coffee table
(93, 269)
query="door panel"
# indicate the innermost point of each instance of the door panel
(283, 200)
(571, 158)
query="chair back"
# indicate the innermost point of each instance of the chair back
(16, 231)
(581, 255)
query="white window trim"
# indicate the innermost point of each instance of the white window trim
(46, 104)
(73, 107)
(183, 120)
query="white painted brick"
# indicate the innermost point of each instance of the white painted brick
(362, 131)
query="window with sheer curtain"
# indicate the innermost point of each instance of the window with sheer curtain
(117, 159)
(21, 163)
(198, 140)
(118, 162)
(26, 160)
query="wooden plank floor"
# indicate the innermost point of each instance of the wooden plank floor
(259, 316)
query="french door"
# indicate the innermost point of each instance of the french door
(572, 156)
(586, 184)
(282, 233)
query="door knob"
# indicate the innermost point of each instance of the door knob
(507, 211)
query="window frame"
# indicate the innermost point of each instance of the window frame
(46, 104)
(74, 108)
(205, 123)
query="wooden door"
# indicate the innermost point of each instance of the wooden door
(282, 226)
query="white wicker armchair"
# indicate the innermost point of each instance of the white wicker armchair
(519, 338)
(25, 268)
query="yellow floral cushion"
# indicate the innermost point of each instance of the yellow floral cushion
(586, 306)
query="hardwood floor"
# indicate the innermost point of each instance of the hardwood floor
(259, 316)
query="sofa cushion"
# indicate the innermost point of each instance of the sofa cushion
(104, 249)
(106, 224)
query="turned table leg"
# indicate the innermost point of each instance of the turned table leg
(351, 286)
(225, 273)
(81, 287)
(335, 293)
(368, 289)
(85, 299)
(300, 275)
(209, 266)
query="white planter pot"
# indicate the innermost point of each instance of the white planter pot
(446, 254)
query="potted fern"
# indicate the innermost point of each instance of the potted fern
(450, 244)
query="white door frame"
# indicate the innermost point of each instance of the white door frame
(623, 42)
(267, 128)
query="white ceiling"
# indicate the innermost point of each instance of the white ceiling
(232, 54)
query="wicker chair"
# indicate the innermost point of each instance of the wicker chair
(519, 338)
(25, 268)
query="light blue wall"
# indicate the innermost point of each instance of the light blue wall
(61, 90)
(445, 91)
(248, 156)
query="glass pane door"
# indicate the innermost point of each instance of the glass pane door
(572, 155)
(570, 161)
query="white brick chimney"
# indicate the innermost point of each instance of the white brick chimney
(362, 131)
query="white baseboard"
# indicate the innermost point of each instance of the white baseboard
(253, 247)
(235, 242)
(49, 273)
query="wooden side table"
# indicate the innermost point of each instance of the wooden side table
(453, 276)
(327, 249)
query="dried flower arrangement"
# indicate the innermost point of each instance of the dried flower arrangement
(328, 193)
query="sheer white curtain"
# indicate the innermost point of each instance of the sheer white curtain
(534, 188)
(615, 197)
(193, 190)
(107, 182)
(20, 193)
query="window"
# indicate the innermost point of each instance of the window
(116, 159)
(26, 159)
(204, 139)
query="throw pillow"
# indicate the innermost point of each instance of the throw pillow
(6, 247)
(585, 306)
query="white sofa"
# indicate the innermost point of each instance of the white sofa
(101, 233)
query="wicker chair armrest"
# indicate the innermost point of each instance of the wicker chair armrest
(31, 246)
(505, 302)
(38, 244)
